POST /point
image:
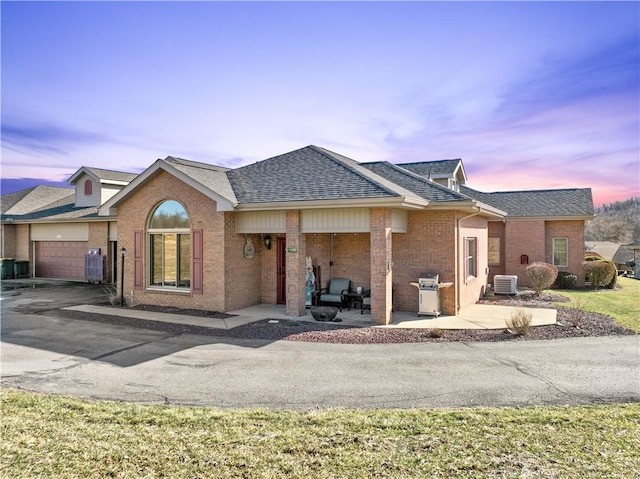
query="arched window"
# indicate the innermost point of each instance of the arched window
(88, 188)
(170, 246)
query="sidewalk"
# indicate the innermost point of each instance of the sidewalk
(477, 316)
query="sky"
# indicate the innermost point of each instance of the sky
(531, 95)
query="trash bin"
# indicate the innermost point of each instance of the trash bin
(21, 269)
(7, 268)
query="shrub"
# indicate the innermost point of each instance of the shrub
(566, 280)
(520, 322)
(600, 273)
(436, 333)
(542, 276)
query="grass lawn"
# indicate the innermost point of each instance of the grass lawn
(51, 436)
(622, 304)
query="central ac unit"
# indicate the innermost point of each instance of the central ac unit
(505, 284)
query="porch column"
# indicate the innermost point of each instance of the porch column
(381, 266)
(296, 248)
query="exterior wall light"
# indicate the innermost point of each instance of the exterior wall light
(267, 242)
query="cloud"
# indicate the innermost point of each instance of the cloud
(562, 80)
(46, 138)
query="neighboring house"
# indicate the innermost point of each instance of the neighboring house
(619, 254)
(54, 228)
(202, 236)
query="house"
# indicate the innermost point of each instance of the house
(202, 236)
(53, 228)
(619, 254)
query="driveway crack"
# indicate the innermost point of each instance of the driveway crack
(520, 368)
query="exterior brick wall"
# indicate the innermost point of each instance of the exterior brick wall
(429, 245)
(8, 241)
(134, 213)
(381, 266)
(24, 251)
(523, 237)
(574, 231)
(269, 273)
(243, 276)
(534, 239)
(352, 259)
(296, 305)
(99, 238)
(496, 230)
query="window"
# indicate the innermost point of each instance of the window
(170, 246)
(561, 252)
(494, 251)
(471, 257)
(88, 188)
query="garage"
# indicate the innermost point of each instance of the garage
(60, 259)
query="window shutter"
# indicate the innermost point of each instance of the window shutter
(137, 259)
(196, 269)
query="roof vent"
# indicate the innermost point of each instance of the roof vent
(505, 284)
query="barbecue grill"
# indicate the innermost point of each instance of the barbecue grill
(428, 294)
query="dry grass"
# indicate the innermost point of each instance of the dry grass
(520, 322)
(46, 436)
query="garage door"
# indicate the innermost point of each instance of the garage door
(60, 259)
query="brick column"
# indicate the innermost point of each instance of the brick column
(296, 248)
(381, 266)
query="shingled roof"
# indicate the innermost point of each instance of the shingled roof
(104, 176)
(309, 174)
(433, 169)
(32, 199)
(414, 182)
(569, 202)
(213, 177)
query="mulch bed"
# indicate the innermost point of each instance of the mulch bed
(572, 323)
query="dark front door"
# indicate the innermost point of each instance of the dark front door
(282, 271)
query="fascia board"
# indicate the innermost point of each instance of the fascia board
(83, 170)
(92, 219)
(399, 202)
(551, 218)
(223, 204)
(107, 208)
(470, 206)
(114, 182)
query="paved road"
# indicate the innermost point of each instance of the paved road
(42, 351)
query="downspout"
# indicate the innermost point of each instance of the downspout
(459, 255)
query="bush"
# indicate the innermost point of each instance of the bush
(600, 273)
(566, 280)
(520, 322)
(436, 333)
(542, 276)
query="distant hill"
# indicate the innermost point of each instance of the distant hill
(617, 222)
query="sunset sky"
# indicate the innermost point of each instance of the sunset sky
(530, 95)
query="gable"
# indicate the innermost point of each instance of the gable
(191, 173)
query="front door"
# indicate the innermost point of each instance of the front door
(282, 271)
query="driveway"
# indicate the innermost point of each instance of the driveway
(42, 350)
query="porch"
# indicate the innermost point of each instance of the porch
(475, 316)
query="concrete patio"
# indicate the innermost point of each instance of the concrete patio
(477, 316)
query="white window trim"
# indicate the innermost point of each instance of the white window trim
(553, 251)
(468, 256)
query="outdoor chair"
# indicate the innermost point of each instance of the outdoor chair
(334, 293)
(366, 301)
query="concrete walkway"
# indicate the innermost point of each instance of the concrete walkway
(477, 316)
